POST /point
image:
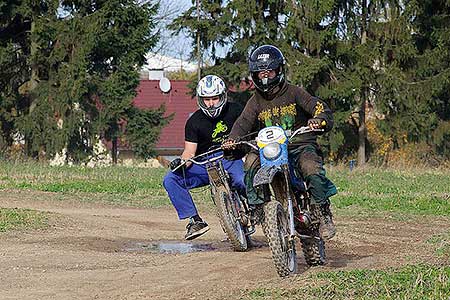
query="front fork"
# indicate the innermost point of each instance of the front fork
(290, 203)
(218, 177)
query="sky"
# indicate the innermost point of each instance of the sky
(179, 46)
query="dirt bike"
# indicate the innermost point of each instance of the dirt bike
(232, 208)
(288, 211)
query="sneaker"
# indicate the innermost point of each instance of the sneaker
(195, 229)
(326, 227)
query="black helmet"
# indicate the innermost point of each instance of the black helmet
(267, 57)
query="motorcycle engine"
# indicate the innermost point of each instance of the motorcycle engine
(303, 221)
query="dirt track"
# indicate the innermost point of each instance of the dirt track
(93, 251)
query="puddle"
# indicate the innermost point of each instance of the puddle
(168, 247)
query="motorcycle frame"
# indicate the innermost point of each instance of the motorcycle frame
(218, 176)
(280, 165)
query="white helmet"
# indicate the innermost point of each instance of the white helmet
(211, 86)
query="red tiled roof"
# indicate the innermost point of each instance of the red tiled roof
(178, 100)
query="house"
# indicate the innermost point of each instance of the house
(156, 61)
(178, 100)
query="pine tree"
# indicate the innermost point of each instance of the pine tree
(84, 58)
(239, 26)
(56, 118)
(20, 71)
(368, 48)
(311, 47)
(142, 139)
(121, 44)
(70, 77)
(431, 76)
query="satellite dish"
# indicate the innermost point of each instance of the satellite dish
(164, 85)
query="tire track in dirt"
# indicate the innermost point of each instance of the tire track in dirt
(96, 251)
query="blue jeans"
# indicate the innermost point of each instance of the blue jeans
(178, 185)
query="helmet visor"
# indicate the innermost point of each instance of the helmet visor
(267, 79)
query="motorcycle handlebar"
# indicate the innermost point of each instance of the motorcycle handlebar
(208, 160)
(246, 143)
(301, 130)
(195, 160)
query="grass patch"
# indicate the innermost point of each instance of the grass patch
(370, 189)
(412, 191)
(441, 243)
(408, 283)
(21, 219)
(117, 185)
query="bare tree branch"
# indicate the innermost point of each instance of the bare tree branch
(170, 44)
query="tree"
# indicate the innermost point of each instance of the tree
(84, 58)
(142, 138)
(431, 76)
(16, 47)
(387, 54)
(367, 52)
(237, 25)
(122, 41)
(58, 115)
(310, 51)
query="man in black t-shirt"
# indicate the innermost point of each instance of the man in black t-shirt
(207, 127)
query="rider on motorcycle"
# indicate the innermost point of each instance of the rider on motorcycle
(278, 103)
(206, 127)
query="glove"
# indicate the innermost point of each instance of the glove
(228, 144)
(175, 163)
(316, 123)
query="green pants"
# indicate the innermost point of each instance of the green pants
(308, 160)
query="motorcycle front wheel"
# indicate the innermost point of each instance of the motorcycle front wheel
(229, 219)
(276, 229)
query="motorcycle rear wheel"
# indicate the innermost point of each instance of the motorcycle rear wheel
(313, 247)
(229, 219)
(314, 251)
(276, 228)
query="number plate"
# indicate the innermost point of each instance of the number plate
(271, 134)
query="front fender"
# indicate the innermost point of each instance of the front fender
(265, 175)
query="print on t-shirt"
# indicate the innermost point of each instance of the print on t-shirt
(283, 116)
(220, 127)
(206, 131)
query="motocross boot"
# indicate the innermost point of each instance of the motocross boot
(326, 227)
